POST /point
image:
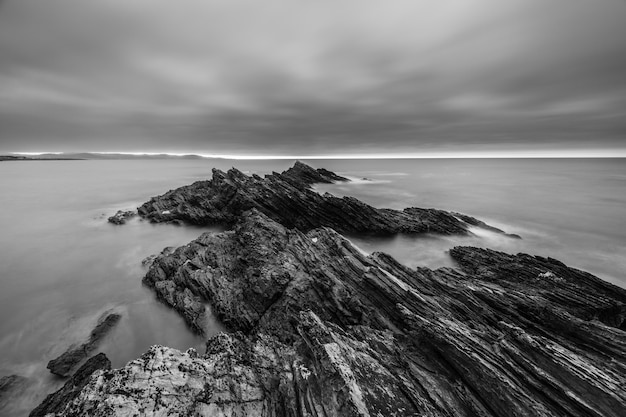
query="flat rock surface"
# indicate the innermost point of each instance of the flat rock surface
(320, 329)
(288, 199)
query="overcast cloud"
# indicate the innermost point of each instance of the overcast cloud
(312, 77)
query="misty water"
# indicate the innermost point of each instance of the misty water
(62, 265)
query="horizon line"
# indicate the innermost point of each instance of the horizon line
(579, 154)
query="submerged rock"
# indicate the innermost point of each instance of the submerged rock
(58, 401)
(322, 329)
(63, 365)
(9, 385)
(288, 199)
(121, 217)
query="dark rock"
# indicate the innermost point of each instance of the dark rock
(121, 217)
(63, 365)
(301, 174)
(577, 292)
(56, 402)
(148, 260)
(326, 328)
(288, 199)
(478, 223)
(9, 385)
(321, 329)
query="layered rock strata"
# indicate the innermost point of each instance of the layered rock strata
(321, 329)
(288, 199)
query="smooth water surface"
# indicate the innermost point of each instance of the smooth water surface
(62, 265)
(573, 210)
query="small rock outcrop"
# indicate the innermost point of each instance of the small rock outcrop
(302, 174)
(9, 385)
(121, 217)
(63, 365)
(288, 199)
(58, 401)
(321, 329)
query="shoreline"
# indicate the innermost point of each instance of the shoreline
(321, 326)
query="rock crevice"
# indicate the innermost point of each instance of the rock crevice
(319, 329)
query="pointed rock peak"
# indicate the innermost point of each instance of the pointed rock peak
(303, 174)
(231, 174)
(218, 173)
(301, 165)
(235, 173)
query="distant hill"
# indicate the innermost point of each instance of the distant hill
(94, 155)
(47, 157)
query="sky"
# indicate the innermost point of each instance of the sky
(313, 77)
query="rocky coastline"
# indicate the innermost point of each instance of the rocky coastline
(318, 328)
(288, 199)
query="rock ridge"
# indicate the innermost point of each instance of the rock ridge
(63, 364)
(318, 328)
(288, 199)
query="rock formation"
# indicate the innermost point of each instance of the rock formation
(63, 365)
(288, 199)
(121, 217)
(320, 329)
(58, 401)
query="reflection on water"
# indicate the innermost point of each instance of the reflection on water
(62, 264)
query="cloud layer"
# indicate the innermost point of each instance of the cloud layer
(311, 77)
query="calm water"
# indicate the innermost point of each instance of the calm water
(62, 264)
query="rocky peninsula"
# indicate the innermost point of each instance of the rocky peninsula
(288, 199)
(318, 328)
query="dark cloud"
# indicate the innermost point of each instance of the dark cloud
(299, 77)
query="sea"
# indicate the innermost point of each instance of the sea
(62, 265)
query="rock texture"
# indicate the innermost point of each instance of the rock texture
(320, 329)
(63, 365)
(59, 400)
(288, 199)
(121, 217)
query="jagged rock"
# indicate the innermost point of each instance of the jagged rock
(321, 329)
(165, 381)
(121, 217)
(479, 223)
(363, 335)
(288, 199)
(63, 365)
(148, 260)
(56, 402)
(577, 292)
(301, 174)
